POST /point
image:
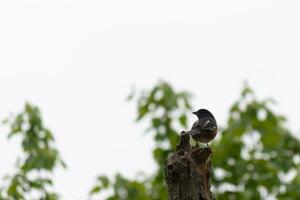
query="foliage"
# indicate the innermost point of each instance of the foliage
(32, 179)
(255, 155)
(166, 111)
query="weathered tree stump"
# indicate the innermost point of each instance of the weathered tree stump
(187, 172)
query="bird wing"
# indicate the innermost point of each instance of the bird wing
(196, 125)
(204, 124)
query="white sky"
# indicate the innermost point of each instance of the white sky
(77, 60)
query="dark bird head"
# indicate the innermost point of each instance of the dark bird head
(203, 113)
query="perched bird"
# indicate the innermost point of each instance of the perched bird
(205, 128)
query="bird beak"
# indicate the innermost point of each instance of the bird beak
(195, 113)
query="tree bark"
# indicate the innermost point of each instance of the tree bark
(187, 172)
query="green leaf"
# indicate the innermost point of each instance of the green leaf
(183, 120)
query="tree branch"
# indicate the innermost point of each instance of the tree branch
(187, 172)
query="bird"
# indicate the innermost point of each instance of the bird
(205, 128)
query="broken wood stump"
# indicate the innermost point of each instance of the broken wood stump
(188, 170)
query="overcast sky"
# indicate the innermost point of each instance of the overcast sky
(77, 61)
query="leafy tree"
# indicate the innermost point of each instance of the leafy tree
(166, 111)
(32, 179)
(255, 156)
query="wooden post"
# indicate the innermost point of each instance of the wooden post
(187, 172)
